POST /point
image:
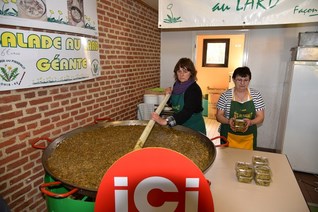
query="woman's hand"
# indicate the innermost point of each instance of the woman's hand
(248, 123)
(231, 123)
(168, 90)
(158, 119)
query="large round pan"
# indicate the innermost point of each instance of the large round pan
(92, 193)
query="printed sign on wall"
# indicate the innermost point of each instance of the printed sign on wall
(34, 59)
(78, 16)
(203, 13)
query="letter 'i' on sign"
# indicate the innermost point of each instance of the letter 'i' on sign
(192, 196)
(163, 180)
(121, 196)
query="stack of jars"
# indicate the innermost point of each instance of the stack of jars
(262, 171)
(258, 170)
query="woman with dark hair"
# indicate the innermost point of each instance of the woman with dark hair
(185, 100)
(240, 110)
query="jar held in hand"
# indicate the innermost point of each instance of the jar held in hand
(239, 125)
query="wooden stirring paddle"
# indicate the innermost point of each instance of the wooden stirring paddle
(141, 141)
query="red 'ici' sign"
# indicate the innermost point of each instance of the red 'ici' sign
(154, 180)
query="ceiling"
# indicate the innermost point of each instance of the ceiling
(152, 3)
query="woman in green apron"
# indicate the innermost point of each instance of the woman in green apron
(240, 110)
(185, 100)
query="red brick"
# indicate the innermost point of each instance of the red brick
(31, 126)
(65, 102)
(31, 110)
(42, 93)
(31, 118)
(54, 91)
(55, 105)
(16, 147)
(45, 122)
(65, 122)
(35, 155)
(43, 108)
(73, 106)
(55, 118)
(9, 175)
(64, 89)
(73, 113)
(7, 124)
(28, 166)
(65, 116)
(62, 96)
(10, 115)
(17, 163)
(23, 205)
(80, 93)
(67, 128)
(32, 193)
(54, 112)
(5, 99)
(42, 130)
(88, 102)
(36, 204)
(5, 108)
(21, 104)
(41, 207)
(37, 175)
(3, 186)
(21, 177)
(43, 100)
(29, 95)
(57, 132)
(38, 168)
(13, 131)
(6, 143)
(24, 136)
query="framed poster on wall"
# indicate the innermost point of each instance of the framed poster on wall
(75, 16)
(36, 59)
(215, 52)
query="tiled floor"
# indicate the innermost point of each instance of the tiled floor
(212, 127)
(308, 183)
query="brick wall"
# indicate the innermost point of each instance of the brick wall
(130, 58)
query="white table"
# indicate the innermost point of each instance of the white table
(283, 194)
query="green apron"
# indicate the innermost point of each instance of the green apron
(195, 122)
(245, 140)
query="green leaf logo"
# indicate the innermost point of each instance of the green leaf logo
(8, 74)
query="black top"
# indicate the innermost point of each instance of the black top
(192, 104)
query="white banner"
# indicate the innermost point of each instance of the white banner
(78, 16)
(210, 13)
(33, 59)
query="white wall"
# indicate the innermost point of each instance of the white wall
(174, 45)
(267, 54)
